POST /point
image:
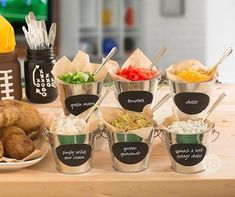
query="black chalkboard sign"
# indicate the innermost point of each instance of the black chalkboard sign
(73, 154)
(188, 154)
(135, 100)
(130, 152)
(80, 103)
(191, 102)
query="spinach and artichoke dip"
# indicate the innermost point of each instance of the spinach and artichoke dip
(188, 127)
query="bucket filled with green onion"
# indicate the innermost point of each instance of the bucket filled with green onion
(79, 86)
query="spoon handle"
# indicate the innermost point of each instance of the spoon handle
(107, 58)
(159, 55)
(97, 104)
(161, 102)
(226, 54)
(219, 99)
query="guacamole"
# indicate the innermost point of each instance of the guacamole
(128, 122)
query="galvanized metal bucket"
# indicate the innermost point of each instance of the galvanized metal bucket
(73, 154)
(188, 153)
(129, 152)
(76, 98)
(191, 99)
(134, 95)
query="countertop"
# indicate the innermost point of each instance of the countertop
(43, 179)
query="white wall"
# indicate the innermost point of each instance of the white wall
(220, 35)
(205, 30)
(68, 27)
(184, 36)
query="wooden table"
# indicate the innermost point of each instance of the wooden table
(159, 180)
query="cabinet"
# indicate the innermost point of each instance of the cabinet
(95, 26)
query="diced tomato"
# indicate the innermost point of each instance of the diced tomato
(137, 74)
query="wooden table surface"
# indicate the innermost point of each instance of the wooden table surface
(159, 180)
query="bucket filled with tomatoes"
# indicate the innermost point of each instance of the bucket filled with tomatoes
(135, 85)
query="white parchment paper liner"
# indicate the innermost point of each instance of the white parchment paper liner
(41, 148)
(169, 120)
(111, 113)
(91, 126)
(82, 63)
(137, 58)
(186, 64)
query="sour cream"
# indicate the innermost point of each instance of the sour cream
(68, 125)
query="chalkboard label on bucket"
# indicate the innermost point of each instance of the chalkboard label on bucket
(188, 154)
(73, 154)
(191, 102)
(135, 100)
(130, 152)
(80, 103)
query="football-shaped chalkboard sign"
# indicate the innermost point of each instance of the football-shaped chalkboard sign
(130, 152)
(188, 154)
(73, 154)
(135, 100)
(191, 102)
(80, 103)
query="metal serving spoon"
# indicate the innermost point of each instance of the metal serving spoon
(218, 100)
(159, 55)
(107, 58)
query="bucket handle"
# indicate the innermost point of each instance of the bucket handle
(164, 82)
(217, 135)
(45, 133)
(102, 134)
(159, 132)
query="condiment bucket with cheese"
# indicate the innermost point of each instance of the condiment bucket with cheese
(188, 143)
(135, 83)
(72, 141)
(191, 99)
(191, 85)
(10, 74)
(191, 91)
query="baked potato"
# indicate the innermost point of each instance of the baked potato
(1, 149)
(28, 119)
(16, 143)
(8, 115)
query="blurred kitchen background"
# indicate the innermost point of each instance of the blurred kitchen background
(199, 29)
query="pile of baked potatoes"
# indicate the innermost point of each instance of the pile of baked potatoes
(20, 124)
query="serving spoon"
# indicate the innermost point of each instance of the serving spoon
(158, 56)
(161, 102)
(218, 100)
(107, 58)
(149, 111)
(97, 104)
(214, 68)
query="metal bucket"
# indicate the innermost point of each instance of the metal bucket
(191, 99)
(129, 152)
(134, 95)
(72, 153)
(77, 98)
(188, 153)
